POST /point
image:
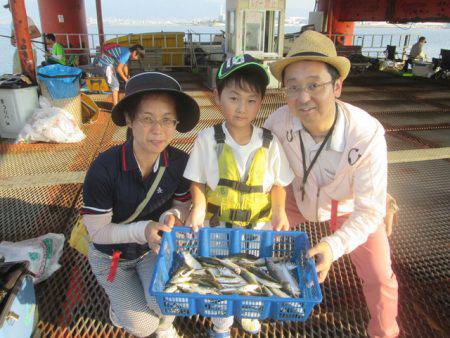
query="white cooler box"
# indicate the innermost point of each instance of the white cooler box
(423, 69)
(16, 105)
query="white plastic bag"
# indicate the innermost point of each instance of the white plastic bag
(42, 252)
(50, 124)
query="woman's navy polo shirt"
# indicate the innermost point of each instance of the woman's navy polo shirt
(114, 184)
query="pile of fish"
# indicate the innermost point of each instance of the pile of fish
(240, 274)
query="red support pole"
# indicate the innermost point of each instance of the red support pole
(330, 18)
(22, 36)
(101, 33)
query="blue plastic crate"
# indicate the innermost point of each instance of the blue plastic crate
(62, 82)
(212, 242)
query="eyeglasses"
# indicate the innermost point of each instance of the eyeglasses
(310, 88)
(165, 122)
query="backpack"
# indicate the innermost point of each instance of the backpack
(108, 46)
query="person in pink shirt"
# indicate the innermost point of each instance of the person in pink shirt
(339, 157)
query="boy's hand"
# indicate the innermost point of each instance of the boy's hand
(280, 221)
(196, 218)
(172, 221)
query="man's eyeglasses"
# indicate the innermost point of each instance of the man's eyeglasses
(165, 122)
(310, 88)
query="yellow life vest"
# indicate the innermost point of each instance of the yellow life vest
(234, 202)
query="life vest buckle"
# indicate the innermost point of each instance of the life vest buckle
(240, 215)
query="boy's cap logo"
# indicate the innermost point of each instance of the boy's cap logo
(235, 61)
(238, 62)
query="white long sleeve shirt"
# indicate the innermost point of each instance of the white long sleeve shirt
(352, 169)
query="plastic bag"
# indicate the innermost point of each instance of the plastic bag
(50, 124)
(42, 252)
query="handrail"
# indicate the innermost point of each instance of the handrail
(210, 44)
(199, 48)
(374, 45)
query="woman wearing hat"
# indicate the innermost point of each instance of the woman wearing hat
(339, 158)
(134, 191)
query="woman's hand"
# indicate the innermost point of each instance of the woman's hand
(280, 220)
(153, 234)
(196, 218)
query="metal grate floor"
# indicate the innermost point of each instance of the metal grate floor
(73, 305)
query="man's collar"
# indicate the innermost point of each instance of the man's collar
(337, 140)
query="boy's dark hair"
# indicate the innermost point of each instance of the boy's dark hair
(50, 36)
(331, 70)
(244, 78)
(422, 39)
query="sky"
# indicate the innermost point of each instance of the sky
(160, 9)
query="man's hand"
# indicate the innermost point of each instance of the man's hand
(153, 234)
(391, 217)
(172, 220)
(324, 259)
(280, 220)
(196, 218)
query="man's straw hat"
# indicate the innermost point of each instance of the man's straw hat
(313, 46)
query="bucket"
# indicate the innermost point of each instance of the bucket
(62, 82)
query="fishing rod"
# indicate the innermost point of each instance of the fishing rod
(10, 37)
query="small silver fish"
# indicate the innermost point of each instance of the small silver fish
(171, 289)
(261, 273)
(279, 293)
(196, 288)
(230, 265)
(248, 276)
(268, 283)
(281, 271)
(191, 261)
(245, 289)
(180, 279)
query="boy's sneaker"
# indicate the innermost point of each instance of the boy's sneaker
(113, 318)
(214, 334)
(169, 333)
(252, 326)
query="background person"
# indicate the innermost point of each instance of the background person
(115, 61)
(56, 54)
(34, 33)
(417, 52)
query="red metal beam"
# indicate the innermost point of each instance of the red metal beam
(330, 18)
(22, 36)
(394, 11)
(422, 10)
(101, 33)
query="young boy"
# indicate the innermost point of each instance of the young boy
(238, 170)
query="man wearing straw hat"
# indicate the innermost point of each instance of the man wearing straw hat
(339, 158)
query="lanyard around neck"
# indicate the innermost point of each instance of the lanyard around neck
(307, 171)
